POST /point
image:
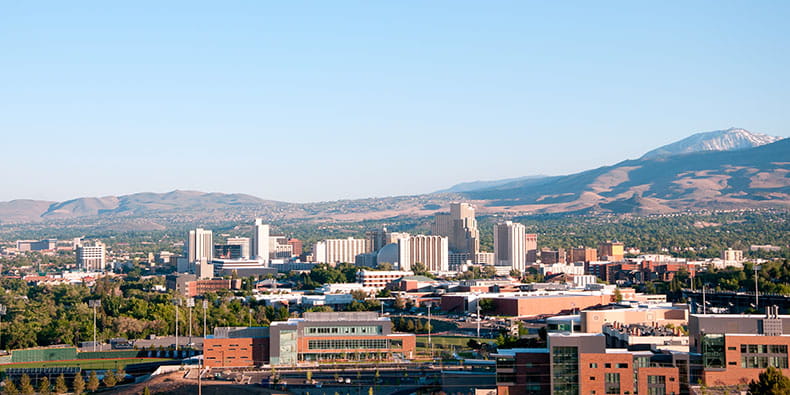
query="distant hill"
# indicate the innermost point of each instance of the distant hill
(720, 175)
(747, 178)
(718, 140)
(475, 185)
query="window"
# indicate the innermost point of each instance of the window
(622, 366)
(607, 365)
(593, 365)
(612, 383)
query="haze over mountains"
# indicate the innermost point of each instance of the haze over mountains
(715, 170)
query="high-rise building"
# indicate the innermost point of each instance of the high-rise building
(296, 246)
(432, 251)
(334, 251)
(611, 251)
(583, 254)
(730, 255)
(244, 242)
(200, 245)
(375, 239)
(531, 246)
(260, 240)
(509, 245)
(550, 257)
(460, 228)
(91, 258)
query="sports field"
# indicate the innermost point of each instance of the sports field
(85, 364)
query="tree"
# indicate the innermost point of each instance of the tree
(44, 387)
(399, 303)
(146, 391)
(309, 375)
(9, 388)
(120, 375)
(60, 385)
(486, 305)
(110, 379)
(93, 382)
(25, 388)
(771, 382)
(419, 269)
(78, 385)
(618, 296)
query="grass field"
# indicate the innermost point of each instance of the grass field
(85, 364)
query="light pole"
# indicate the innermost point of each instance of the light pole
(704, 306)
(2, 313)
(190, 304)
(430, 345)
(250, 318)
(756, 289)
(478, 316)
(95, 303)
(205, 306)
(177, 302)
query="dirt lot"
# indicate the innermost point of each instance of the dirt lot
(175, 384)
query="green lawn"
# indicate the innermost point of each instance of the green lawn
(85, 364)
(444, 342)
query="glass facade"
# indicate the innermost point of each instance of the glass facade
(612, 383)
(565, 366)
(342, 330)
(761, 356)
(713, 351)
(348, 344)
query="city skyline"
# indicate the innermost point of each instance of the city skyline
(196, 97)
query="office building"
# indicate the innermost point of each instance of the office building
(531, 246)
(484, 258)
(375, 239)
(550, 257)
(241, 267)
(380, 278)
(260, 241)
(343, 336)
(200, 245)
(36, 245)
(91, 257)
(730, 255)
(432, 251)
(296, 246)
(223, 251)
(583, 254)
(334, 251)
(509, 242)
(460, 228)
(243, 243)
(611, 251)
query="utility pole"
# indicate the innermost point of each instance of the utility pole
(94, 303)
(429, 328)
(250, 318)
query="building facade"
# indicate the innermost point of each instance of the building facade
(91, 257)
(509, 246)
(200, 245)
(260, 240)
(432, 251)
(334, 251)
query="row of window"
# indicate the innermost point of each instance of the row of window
(343, 330)
(763, 348)
(762, 362)
(594, 365)
(353, 344)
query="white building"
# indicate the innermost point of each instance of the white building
(730, 255)
(200, 245)
(558, 268)
(244, 242)
(432, 251)
(260, 241)
(91, 258)
(509, 245)
(380, 278)
(335, 251)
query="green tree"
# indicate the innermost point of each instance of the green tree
(618, 296)
(60, 385)
(78, 385)
(110, 379)
(419, 269)
(120, 375)
(93, 382)
(25, 387)
(399, 303)
(10, 388)
(771, 382)
(146, 391)
(44, 386)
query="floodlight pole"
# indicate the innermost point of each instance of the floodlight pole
(94, 303)
(2, 313)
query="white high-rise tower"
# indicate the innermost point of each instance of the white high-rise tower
(260, 240)
(509, 243)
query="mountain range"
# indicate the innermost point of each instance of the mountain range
(726, 169)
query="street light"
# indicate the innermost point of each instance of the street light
(177, 302)
(190, 304)
(205, 307)
(95, 303)
(430, 345)
(2, 313)
(756, 289)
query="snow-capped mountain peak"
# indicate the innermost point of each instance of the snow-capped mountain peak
(718, 140)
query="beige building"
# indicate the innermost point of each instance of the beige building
(509, 245)
(730, 255)
(611, 251)
(91, 257)
(460, 228)
(260, 240)
(432, 251)
(335, 251)
(200, 245)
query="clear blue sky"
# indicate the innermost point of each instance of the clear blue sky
(308, 101)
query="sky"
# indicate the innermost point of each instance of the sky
(325, 100)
